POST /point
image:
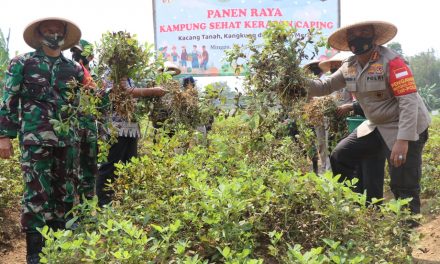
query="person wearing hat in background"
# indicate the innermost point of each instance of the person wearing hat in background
(35, 94)
(370, 171)
(397, 119)
(313, 68)
(339, 97)
(128, 135)
(88, 134)
(188, 81)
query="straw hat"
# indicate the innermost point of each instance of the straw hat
(72, 35)
(383, 32)
(171, 68)
(311, 63)
(339, 57)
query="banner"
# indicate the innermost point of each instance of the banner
(193, 34)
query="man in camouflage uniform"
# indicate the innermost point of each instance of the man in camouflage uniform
(34, 108)
(88, 147)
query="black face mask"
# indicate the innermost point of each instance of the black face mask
(315, 70)
(53, 41)
(333, 70)
(360, 45)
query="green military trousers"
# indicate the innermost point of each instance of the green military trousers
(49, 191)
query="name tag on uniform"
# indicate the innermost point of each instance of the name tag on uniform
(375, 72)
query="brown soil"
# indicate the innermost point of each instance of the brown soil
(12, 243)
(16, 254)
(427, 249)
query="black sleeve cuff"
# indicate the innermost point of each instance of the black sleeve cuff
(357, 109)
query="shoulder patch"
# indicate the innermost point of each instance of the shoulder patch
(401, 78)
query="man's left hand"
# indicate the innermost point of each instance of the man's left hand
(398, 154)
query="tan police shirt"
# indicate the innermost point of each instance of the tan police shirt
(386, 91)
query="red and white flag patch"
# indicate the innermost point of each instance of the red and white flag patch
(401, 78)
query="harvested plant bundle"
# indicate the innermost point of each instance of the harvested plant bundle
(322, 111)
(178, 106)
(275, 71)
(318, 108)
(121, 56)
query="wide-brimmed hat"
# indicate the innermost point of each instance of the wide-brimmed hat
(311, 63)
(71, 36)
(325, 65)
(383, 32)
(313, 67)
(171, 68)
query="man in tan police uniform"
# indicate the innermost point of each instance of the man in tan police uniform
(397, 118)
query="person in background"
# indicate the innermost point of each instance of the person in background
(188, 81)
(88, 132)
(397, 119)
(370, 171)
(339, 97)
(313, 67)
(35, 95)
(127, 143)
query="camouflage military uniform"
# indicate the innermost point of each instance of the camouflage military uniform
(88, 151)
(35, 93)
(88, 148)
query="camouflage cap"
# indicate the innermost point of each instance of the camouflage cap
(82, 44)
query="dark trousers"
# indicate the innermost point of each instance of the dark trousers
(405, 180)
(371, 174)
(123, 151)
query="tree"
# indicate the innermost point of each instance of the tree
(396, 47)
(428, 94)
(4, 57)
(426, 70)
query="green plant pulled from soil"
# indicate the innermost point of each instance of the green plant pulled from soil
(274, 66)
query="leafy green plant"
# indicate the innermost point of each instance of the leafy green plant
(274, 73)
(430, 181)
(11, 189)
(243, 196)
(10, 179)
(429, 94)
(228, 202)
(4, 60)
(122, 56)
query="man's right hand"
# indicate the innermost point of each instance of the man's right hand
(6, 149)
(158, 91)
(344, 109)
